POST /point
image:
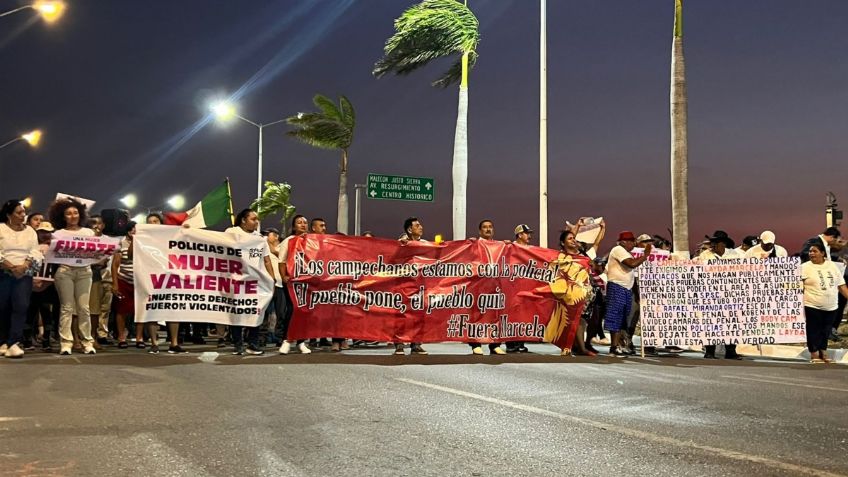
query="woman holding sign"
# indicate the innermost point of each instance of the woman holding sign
(572, 288)
(18, 254)
(72, 283)
(823, 282)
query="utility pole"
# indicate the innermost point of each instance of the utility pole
(357, 214)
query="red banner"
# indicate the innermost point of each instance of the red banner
(474, 290)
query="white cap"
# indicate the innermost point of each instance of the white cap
(767, 237)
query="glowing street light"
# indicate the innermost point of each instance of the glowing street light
(225, 111)
(177, 202)
(32, 138)
(129, 200)
(27, 202)
(49, 10)
(140, 218)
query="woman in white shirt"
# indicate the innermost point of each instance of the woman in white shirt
(72, 283)
(19, 254)
(823, 282)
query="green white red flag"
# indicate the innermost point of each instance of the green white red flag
(210, 211)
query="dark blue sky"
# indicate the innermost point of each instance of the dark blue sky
(120, 89)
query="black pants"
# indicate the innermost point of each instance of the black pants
(840, 309)
(491, 345)
(238, 335)
(14, 302)
(818, 328)
(46, 305)
(729, 350)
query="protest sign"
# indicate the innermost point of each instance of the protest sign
(187, 274)
(740, 301)
(88, 203)
(656, 254)
(80, 251)
(472, 290)
(589, 231)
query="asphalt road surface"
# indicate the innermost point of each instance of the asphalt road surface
(365, 412)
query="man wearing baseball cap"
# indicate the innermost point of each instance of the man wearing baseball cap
(621, 274)
(766, 248)
(523, 234)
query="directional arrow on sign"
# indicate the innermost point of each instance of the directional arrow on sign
(373, 193)
(428, 186)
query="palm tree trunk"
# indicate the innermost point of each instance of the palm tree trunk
(679, 142)
(460, 157)
(342, 218)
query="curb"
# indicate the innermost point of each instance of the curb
(790, 352)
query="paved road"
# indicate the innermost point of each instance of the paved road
(369, 413)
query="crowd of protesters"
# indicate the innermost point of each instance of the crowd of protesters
(88, 307)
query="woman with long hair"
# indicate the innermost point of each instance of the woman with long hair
(572, 288)
(298, 228)
(19, 254)
(72, 283)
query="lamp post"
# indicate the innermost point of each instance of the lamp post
(32, 138)
(50, 11)
(543, 125)
(225, 111)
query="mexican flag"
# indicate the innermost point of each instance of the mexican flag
(215, 207)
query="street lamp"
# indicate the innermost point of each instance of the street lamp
(225, 111)
(176, 202)
(32, 138)
(50, 11)
(129, 200)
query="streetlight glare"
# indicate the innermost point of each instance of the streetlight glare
(129, 200)
(27, 202)
(139, 218)
(223, 110)
(177, 202)
(50, 11)
(32, 137)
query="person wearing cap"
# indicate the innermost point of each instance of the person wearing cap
(523, 234)
(826, 239)
(621, 276)
(748, 242)
(721, 248)
(766, 247)
(44, 301)
(642, 241)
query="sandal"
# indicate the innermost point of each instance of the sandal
(123, 345)
(140, 344)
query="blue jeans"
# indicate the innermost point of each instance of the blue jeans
(14, 303)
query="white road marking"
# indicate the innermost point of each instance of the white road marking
(641, 435)
(9, 419)
(786, 383)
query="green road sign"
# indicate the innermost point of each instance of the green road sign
(418, 189)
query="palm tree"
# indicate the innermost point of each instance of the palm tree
(329, 128)
(679, 147)
(435, 29)
(275, 200)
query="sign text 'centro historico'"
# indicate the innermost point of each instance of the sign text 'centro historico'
(419, 189)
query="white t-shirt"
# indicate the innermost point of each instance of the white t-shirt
(81, 232)
(238, 230)
(17, 246)
(283, 248)
(618, 272)
(821, 285)
(729, 253)
(758, 252)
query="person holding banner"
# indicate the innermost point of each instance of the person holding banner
(523, 234)
(73, 283)
(247, 222)
(486, 230)
(823, 282)
(721, 248)
(573, 289)
(413, 232)
(298, 229)
(621, 268)
(19, 254)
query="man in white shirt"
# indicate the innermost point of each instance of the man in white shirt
(621, 276)
(766, 248)
(826, 239)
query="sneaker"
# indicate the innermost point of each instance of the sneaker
(254, 350)
(153, 349)
(617, 353)
(88, 349)
(14, 351)
(30, 346)
(399, 349)
(477, 350)
(176, 350)
(303, 348)
(497, 350)
(140, 345)
(65, 350)
(418, 349)
(523, 349)
(285, 347)
(238, 351)
(3, 348)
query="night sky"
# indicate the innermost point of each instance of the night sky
(120, 89)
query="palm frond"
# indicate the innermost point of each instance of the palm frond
(348, 113)
(275, 199)
(330, 128)
(327, 106)
(427, 31)
(454, 73)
